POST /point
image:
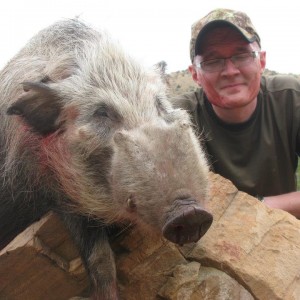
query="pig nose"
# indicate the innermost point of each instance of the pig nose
(187, 225)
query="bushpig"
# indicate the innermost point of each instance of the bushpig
(87, 131)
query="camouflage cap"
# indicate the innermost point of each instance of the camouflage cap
(237, 19)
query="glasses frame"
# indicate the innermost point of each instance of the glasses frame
(254, 54)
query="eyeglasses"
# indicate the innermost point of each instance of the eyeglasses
(218, 64)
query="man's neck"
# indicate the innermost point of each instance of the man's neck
(236, 115)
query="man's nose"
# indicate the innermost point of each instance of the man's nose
(229, 66)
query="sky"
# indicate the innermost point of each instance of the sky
(155, 30)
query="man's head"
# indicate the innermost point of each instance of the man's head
(227, 62)
(219, 17)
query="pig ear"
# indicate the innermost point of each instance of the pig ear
(162, 67)
(39, 106)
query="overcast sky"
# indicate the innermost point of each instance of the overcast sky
(155, 30)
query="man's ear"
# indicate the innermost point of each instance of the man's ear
(263, 60)
(39, 107)
(194, 74)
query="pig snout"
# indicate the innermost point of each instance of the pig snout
(186, 223)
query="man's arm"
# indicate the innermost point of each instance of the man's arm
(289, 202)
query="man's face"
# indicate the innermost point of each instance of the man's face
(232, 87)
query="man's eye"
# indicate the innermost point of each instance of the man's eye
(242, 56)
(212, 62)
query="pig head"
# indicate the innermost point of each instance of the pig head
(143, 162)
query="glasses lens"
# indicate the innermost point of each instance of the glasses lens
(242, 59)
(213, 65)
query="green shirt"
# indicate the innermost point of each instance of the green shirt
(260, 156)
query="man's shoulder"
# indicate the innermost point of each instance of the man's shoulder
(278, 83)
(187, 101)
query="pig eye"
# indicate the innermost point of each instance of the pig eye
(46, 79)
(101, 111)
(106, 113)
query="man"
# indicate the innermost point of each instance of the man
(249, 124)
